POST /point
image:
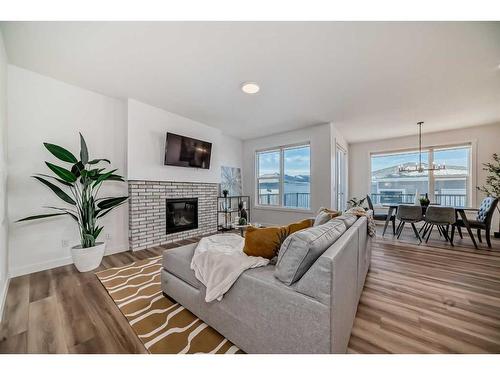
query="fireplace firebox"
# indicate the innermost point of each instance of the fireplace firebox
(181, 214)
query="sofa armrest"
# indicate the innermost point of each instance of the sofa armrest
(333, 281)
(344, 292)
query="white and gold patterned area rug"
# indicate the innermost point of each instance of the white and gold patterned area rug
(162, 325)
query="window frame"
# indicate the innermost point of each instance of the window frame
(257, 179)
(470, 180)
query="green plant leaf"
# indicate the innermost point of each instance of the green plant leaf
(64, 210)
(95, 161)
(84, 152)
(57, 190)
(94, 174)
(77, 168)
(101, 213)
(40, 217)
(110, 202)
(88, 240)
(60, 153)
(55, 178)
(115, 177)
(97, 232)
(104, 176)
(63, 173)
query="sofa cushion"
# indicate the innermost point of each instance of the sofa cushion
(324, 215)
(303, 224)
(347, 219)
(263, 242)
(178, 262)
(321, 218)
(260, 314)
(301, 249)
(266, 242)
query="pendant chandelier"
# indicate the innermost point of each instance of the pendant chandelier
(419, 167)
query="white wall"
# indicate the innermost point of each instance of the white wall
(4, 275)
(147, 130)
(43, 109)
(321, 167)
(485, 140)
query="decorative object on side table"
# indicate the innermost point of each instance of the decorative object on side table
(492, 186)
(231, 180)
(242, 211)
(228, 211)
(83, 182)
(225, 193)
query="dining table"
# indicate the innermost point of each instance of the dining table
(393, 209)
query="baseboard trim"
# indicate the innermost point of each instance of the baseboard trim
(3, 297)
(47, 265)
(118, 249)
(36, 267)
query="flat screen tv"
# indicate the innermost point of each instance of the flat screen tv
(187, 152)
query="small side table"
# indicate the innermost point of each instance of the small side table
(243, 228)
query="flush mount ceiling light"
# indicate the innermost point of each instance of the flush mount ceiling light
(250, 88)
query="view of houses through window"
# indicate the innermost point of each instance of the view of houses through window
(283, 176)
(449, 186)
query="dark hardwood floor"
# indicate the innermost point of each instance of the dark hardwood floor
(430, 298)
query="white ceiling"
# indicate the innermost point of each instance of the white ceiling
(372, 79)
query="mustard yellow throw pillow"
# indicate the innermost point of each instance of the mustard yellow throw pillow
(294, 227)
(266, 242)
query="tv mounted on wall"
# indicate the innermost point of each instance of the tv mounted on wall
(183, 151)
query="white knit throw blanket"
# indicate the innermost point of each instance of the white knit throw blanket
(359, 211)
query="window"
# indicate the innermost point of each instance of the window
(283, 177)
(450, 187)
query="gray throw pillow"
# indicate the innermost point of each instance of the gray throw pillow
(322, 218)
(347, 219)
(301, 249)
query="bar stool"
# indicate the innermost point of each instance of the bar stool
(409, 214)
(442, 217)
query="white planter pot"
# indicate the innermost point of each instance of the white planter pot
(89, 258)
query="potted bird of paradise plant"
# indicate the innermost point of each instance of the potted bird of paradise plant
(78, 187)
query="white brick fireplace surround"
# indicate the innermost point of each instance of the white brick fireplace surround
(147, 219)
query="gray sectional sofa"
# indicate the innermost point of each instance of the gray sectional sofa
(261, 314)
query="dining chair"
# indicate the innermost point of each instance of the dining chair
(409, 214)
(442, 218)
(483, 219)
(381, 216)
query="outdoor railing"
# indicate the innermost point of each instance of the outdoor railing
(455, 200)
(383, 198)
(293, 200)
(302, 200)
